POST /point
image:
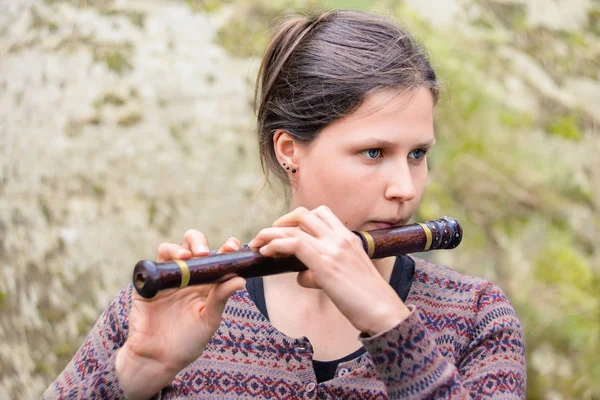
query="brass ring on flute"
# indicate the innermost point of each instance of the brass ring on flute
(428, 235)
(370, 243)
(185, 273)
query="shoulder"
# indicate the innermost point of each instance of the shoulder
(446, 281)
(115, 318)
(113, 324)
(120, 304)
(438, 286)
(474, 307)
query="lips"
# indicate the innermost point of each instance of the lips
(386, 224)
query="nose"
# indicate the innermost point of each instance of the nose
(401, 185)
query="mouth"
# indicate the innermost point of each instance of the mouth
(386, 224)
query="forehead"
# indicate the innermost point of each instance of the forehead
(391, 115)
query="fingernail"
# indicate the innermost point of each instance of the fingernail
(202, 249)
(250, 243)
(263, 249)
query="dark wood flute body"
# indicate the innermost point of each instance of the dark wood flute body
(149, 277)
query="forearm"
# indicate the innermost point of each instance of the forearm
(411, 365)
(74, 383)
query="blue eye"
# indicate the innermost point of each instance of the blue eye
(372, 153)
(418, 154)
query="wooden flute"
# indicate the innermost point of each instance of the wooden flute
(149, 277)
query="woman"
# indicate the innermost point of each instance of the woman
(345, 118)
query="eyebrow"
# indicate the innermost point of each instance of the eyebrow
(387, 143)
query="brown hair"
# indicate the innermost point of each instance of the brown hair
(319, 69)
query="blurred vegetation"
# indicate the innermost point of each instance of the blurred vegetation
(498, 170)
(517, 163)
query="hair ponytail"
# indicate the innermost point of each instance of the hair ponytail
(288, 36)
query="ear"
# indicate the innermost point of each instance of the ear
(286, 149)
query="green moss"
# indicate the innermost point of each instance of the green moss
(512, 15)
(113, 99)
(65, 350)
(83, 325)
(116, 61)
(51, 314)
(163, 102)
(561, 263)
(136, 18)
(95, 120)
(241, 151)
(45, 208)
(130, 118)
(40, 22)
(152, 209)
(594, 20)
(99, 190)
(576, 39)
(210, 78)
(42, 368)
(566, 126)
(349, 4)
(516, 119)
(178, 133)
(117, 57)
(91, 186)
(244, 38)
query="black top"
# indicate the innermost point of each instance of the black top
(401, 281)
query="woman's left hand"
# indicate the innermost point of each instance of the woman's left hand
(337, 264)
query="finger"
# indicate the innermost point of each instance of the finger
(301, 245)
(305, 247)
(217, 299)
(196, 242)
(307, 279)
(266, 235)
(231, 244)
(329, 218)
(172, 251)
(306, 220)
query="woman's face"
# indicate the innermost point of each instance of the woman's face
(370, 167)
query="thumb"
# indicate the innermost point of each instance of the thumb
(306, 279)
(218, 296)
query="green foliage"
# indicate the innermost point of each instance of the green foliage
(117, 62)
(205, 5)
(565, 126)
(348, 4)
(117, 57)
(130, 118)
(516, 120)
(568, 312)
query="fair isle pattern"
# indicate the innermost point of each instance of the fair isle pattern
(461, 340)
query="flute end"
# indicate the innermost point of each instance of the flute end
(145, 279)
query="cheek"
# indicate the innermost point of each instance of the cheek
(420, 181)
(331, 172)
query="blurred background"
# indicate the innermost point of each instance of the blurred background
(125, 123)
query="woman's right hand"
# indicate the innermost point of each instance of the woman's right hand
(171, 330)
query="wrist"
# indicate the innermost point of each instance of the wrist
(141, 377)
(387, 320)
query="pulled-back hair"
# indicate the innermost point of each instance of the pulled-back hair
(319, 69)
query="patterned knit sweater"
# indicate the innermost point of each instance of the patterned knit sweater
(461, 340)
